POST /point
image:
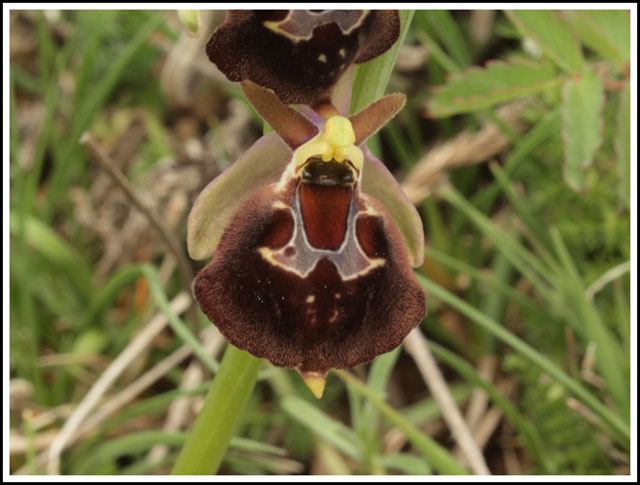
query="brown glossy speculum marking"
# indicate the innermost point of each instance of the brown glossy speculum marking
(325, 194)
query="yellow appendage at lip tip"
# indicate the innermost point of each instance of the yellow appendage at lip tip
(315, 383)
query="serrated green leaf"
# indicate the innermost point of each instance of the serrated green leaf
(582, 102)
(477, 89)
(622, 144)
(605, 31)
(552, 34)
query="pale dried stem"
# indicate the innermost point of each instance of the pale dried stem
(143, 339)
(481, 25)
(477, 405)
(465, 149)
(19, 445)
(588, 364)
(612, 274)
(479, 398)
(492, 418)
(128, 394)
(511, 462)
(50, 416)
(487, 425)
(117, 402)
(172, 242)
(416, 345)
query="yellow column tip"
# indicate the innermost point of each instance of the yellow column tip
(315, 383)
(339, 132)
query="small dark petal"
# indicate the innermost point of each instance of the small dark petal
(294, 128)
(302, 55)
(368, 121)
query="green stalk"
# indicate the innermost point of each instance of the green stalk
(232, 386)
(209, 438)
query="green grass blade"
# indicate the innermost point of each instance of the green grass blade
(528, 264)
(406, 463)
(329, 429)
(487, 279)
(176, 323)
(445, 28)
(379, 374)
(607, 415)
(99, 96)
(609, 354)
(437, 456)
(538, 235)
(54, 249)
(136, 443)
(439, 55)
(520, 422)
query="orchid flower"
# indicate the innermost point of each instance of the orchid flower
(313, 240)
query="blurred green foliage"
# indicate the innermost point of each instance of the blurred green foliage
(529, 235)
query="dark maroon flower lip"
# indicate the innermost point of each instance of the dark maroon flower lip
(300, 54)
(302, 297)
(312, 243)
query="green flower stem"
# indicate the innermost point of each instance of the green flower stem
(209, 438)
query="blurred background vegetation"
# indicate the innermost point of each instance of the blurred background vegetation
(519, 167)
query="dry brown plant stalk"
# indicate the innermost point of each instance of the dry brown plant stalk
(465, 149)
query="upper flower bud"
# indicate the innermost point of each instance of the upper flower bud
(190, 20)
(300, 54)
